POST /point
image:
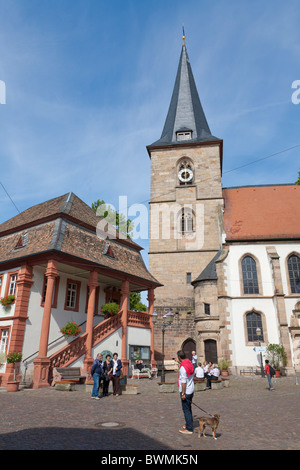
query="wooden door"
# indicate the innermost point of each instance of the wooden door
(210, 349)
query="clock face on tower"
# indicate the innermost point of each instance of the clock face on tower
(185, 175)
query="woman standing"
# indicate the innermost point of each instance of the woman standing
(107, 369)
(116, 373)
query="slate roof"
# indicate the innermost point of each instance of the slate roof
(209, 273)
(67, 225)
(185, 110)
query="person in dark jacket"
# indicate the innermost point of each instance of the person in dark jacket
(116, 373)
(107, 370)
(96, 373)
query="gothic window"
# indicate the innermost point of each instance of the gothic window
(187, 221)
(294, 273)
(254, 321)
(249, 273)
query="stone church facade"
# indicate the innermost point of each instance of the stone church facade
(228, 259)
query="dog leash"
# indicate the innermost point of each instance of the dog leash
(202, 410)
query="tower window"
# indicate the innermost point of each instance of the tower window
(188, 278)
(187, 221)
(185, 172)
(207, 309)
(184, 135)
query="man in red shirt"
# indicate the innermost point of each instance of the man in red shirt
(267, 371)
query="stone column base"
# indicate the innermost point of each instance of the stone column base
(41, 372)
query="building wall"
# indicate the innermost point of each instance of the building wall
(274, 302)
(171, 255)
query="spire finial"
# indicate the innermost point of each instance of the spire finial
(183, 35)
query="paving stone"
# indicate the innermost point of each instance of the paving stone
(252, 418)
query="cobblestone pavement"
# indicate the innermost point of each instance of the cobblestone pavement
(252, 417)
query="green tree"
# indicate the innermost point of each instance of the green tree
(119, 221)
(298, 180)
(135, 302)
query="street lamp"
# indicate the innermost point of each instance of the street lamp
(258, 334)
(167, 320)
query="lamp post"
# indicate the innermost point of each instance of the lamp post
(258, 333)
(167, 321)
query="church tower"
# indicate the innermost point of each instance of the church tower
(186, 198)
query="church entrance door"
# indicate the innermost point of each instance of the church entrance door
(188, 346)
(210, 349)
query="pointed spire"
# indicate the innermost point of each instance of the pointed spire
(185, 119)
(183, 35)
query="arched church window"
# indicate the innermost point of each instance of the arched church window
(187, 224)
(249, 273)
(254, 321)
(294, 273)
(185, 172)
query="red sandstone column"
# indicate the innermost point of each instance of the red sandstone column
(151, 299)
(124, 321)
(42, 362)
(24, 283)
(93, 284)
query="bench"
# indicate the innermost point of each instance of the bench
(65, 386)
(249, 371)
(216, 384)
(169, 364)
(199, 384)
(140, 375)
(127, 389)
(67, 374)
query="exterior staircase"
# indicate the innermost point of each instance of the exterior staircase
(77, 348)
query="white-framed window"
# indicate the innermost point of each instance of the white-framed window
(72, 293)
(184, 135)
(12, 284)
(3, 340)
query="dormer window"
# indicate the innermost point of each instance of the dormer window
(21, 242)
(108, 251)
(183, 135)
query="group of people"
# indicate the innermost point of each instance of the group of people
(209, 371)
(104, 372)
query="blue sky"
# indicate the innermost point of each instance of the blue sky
(88, 85)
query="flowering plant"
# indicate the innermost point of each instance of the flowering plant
(7, 300)
(14, 358)
(71, 329)
(110, 309)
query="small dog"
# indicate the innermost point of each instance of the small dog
(213, 422)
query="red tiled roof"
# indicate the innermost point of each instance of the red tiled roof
(67, 225)
(262, 212)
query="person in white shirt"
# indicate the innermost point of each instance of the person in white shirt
(194, 359)
(186, 389)
(213, 375)
(199, 372)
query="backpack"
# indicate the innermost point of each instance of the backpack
(272, 371)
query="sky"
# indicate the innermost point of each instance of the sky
(88, 85)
